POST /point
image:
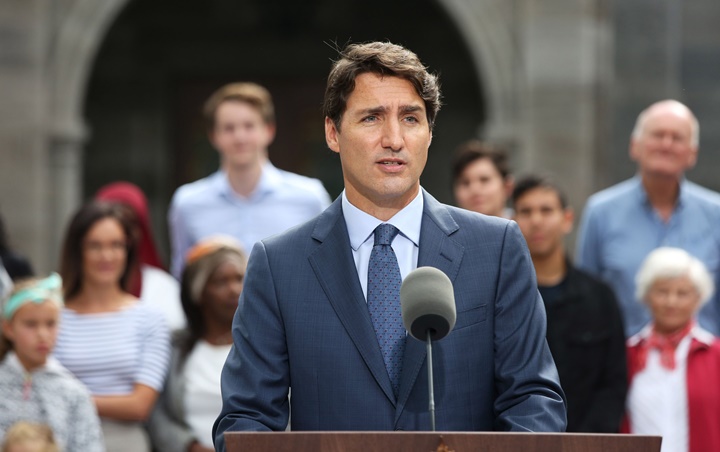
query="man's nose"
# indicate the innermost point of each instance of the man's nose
(392, 137)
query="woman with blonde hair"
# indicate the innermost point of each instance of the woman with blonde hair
(673, 364)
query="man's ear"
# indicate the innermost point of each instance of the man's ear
(331, 135)
(568, 220)
(211, 138)
(632, 151)
(692, 159)
(271, 130)
(509, 185)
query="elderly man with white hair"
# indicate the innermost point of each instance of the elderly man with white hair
(657, 207)
(673, 364)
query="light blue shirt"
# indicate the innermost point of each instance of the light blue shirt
(210, 206)
(620, 228)
(361, 227)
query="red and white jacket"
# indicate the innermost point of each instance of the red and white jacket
(703, 387)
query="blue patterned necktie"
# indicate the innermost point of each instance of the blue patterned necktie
(383, 299)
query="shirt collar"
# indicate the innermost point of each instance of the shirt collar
(52, 365)
(642, 194)
(361, 225)
(270, 180)
(696, 332)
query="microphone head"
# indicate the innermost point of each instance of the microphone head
(427, 302)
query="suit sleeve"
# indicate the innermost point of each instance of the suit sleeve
(529, 396)
(255, 379)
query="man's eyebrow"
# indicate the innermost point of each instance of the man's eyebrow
(372, 111)
(410, 108)
(382, 109)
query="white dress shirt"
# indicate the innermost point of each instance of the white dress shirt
(657, 400)
(361, 227)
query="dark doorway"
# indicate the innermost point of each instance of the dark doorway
(162, 58)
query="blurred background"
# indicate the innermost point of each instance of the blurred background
(94, 91)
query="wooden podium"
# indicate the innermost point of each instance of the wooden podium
(437, 442)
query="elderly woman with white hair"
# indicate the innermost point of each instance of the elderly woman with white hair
(673, 364)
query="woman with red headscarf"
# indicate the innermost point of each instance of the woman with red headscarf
(150, 282)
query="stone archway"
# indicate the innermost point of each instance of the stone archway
(486, 26)
(81, 29)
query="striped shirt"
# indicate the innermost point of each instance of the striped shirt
(110, 352)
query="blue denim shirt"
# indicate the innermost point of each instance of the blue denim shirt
(619, 228)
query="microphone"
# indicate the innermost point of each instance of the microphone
(427, 303)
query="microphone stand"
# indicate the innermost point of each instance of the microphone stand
(431, 389)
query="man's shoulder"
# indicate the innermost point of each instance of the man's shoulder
(195, 192)
(302, 232)
(608, 197)
(702, 194)
(582, 279)
(299, 185)
(291, 178)
(475, 221)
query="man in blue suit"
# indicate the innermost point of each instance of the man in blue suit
(304, 321)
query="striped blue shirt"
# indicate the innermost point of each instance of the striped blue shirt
(111, 352)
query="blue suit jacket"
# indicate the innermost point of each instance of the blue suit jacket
(303, 322)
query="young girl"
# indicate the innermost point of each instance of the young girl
(34, 387)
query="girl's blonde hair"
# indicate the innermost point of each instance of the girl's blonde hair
(23, 432)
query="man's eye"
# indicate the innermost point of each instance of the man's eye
(411, 119)
(370, 118)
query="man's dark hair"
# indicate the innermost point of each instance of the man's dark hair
(384, 59)
(473, 150)
(532, 182)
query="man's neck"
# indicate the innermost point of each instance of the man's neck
(243, 179)
(662, 193)
(383, 210)
(551, 268)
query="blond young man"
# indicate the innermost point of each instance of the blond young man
(247, 198)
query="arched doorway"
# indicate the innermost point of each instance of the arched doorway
(160, 59)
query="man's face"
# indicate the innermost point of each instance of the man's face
(240, 135)
(543, 221)
(383, 142)
(664, 147)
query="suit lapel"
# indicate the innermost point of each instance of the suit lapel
(436, 249)
(334, 268)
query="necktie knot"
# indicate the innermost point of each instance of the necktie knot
(384, 234)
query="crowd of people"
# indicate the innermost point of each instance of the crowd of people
(273, 287)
